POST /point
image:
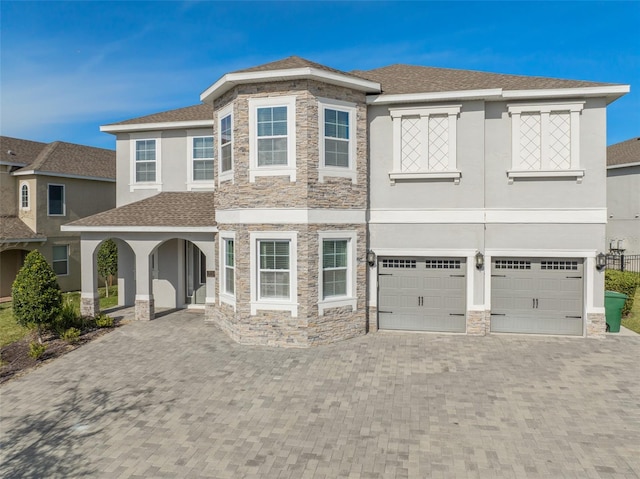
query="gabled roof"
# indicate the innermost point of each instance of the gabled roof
(404, 79)
(59, 158)
(162, 212)
(13, 230)
(623, 153)
(290, 63)
(201, 112)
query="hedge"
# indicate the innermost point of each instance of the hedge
(625, 282)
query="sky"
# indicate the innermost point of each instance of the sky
(66, 68)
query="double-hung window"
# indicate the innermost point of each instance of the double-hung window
(274, 271)
(61, 260)
(272, 131)
(225, 142)
(202, 154)
(545, 140)
(424, 143)
(337, 120)
(145, 161)
(337, 270)
(24, 196)
(55, 200)
(229, 266)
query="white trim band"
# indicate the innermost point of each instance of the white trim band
(290, 216)
(169, 125)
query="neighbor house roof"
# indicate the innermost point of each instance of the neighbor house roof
(404, 79)
(624, 152)
(165, 210)
(12, 230)
(59, 158)
(201, 112)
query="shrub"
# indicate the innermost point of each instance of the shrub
(104, 321)
(625, 282)
(68, 318)
(36, 349)
(36, 295)
(71, 335)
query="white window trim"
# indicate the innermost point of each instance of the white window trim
(337, 171)
(280, 304)
(224, 296)
(58, 261)
(225, 175)
(28, 207)
(64, 200)
(272, 170)
(350, 299)
(191, 183)
(544, 109)
(424, 113)
(145, 185)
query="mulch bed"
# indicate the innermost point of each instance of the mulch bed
(15, 356)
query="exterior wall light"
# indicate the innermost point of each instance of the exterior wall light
(371, 258)
(479, 260)
(601, 261)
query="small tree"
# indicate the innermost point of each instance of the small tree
(108, 262)
(37, 299)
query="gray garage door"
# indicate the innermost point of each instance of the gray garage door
(422, 294)
(537, 295)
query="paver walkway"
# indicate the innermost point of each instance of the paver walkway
(176, 398)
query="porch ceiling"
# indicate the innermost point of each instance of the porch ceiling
(169, 210)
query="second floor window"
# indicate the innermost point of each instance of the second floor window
(229, 266)
(55, 200)
(145, 161)
(336, 138)
(226, 144)
(202, 155)
(24, 196)
(272, 136)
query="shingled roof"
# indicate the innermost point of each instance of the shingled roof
(624, 152)
(290, 63)
(59, 158)
(12, 230)
(201, 112)
(404, 79)
(167, 209)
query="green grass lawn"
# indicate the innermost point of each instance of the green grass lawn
(11, 331)
(632, 321)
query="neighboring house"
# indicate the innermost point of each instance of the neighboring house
(43, 186)
(623, 197)
(404, 197)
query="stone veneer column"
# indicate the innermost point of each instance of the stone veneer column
(596, 325)
(372, 321)
(477, 322)
(145, 310)
(209, 312)
(89, 305)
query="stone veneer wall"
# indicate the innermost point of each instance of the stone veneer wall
(596, 325)
(477, 323)
(279, 328)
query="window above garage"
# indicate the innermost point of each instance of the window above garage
(424, 143)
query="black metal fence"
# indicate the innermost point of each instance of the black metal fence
(624, 262)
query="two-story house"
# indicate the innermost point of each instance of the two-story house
(623, 196)
(42, 186)
(300, 204)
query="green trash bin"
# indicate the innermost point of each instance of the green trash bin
(613, 304)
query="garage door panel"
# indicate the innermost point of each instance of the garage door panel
(534, 295)
(422, 294)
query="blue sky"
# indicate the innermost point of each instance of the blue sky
(68, 67)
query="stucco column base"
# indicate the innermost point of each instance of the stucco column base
(209, 312)
(89, 307)
(477, 323)
(596, 326)
(145, 310)
(372, 320)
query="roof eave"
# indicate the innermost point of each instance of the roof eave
(139, 229)
(623, 165)
(62, 175)
(166, 125)
(610, 92)
(493, 93)
(230, 80)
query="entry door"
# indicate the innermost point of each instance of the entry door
(537, 295)
(422, 294)
(195, 274)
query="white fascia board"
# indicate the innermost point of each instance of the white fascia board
(230, 80)
(169, 125)
(624, 165)
(141, 229)
(615, 91)
(10, 163)
(540, 253)
(62, 175)
(489, 94)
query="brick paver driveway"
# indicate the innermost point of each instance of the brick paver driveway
(176, 398)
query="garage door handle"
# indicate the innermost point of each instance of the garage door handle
(456, 314)
(385, 274)
(456, 275)
(498, 275)
(386, 312)
(498, 314)
(574, 277)
(574, 317)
